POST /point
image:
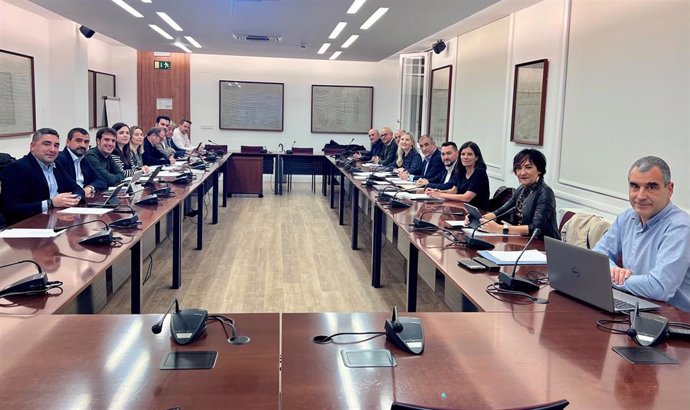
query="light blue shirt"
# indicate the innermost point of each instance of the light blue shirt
(658, 254)
(77, 168)
(50, 179)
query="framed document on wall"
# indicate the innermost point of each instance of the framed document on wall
(17, 99)
(337, 109)
(529, 102)
(251, 106)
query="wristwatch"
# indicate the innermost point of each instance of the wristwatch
(506, 231)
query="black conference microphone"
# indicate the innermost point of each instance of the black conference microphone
(281, 147)
(214, 143)
(405, 332)
(290, 150)
(419, 223)
(479, 244)
(126, 222)
(186, 325)
(30, 285)
(510, 282)
(394, 202)
(104, 237)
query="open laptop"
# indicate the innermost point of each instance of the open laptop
(111, 201)
(132, 187)
(150, 182)
(585, 275)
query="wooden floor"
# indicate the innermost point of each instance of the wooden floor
(277, 254)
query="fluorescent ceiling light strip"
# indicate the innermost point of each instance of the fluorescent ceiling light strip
(183, 47)
(146, 1)
(169, 20)
(324, 48)
(374, 18)
(335, 55)
(129, 9)
(349, 41)
(356, 5)
(161, 31)
(336, 31)
(193, 42)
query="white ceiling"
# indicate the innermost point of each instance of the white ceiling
(303, 25)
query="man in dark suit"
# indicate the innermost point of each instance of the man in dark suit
(73, 162)
(432, 165)
(447, 178)
(36, 183)
(389, 151)
(152, 155)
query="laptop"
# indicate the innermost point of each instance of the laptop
(473, 215)
(132, 185)
(150, 182)
(585, 275)
(111, 201)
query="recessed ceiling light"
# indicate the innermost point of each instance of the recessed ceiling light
(169, 20)
(335, 55)
(374, 18)
(324, 48)
(146, 1)
(129, 9)
(336, 31)
(161, 31)
(193, 42)
(356, 5)
(182, 47)
(349, 41)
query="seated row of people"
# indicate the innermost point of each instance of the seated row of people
(47, 177)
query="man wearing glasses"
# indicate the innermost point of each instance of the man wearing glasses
(389, 151)
(153, 156)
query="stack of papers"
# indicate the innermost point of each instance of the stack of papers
(530, 257)
(29, 233)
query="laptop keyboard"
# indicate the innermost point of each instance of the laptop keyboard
(621, 305)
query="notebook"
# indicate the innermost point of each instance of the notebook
(585, 275)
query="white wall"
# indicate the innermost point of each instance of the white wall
(618, 89)
(298, 76)
(62, 57)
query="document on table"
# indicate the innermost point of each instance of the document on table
(480, 232)
(169, 174)
(456, 224)
(85, 211)
(530, 257)
(29, 233)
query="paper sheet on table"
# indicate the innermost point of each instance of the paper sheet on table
(480, 232)
(29, 233)
(530, 257)
(397, 181)
(370, 165)
(382, 174)
(406, 195)
(362, 174)
(456, 224)
(85, 211)
(169, 174)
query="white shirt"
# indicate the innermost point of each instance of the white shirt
(181, 140)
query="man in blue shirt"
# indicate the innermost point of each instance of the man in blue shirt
(652, 240)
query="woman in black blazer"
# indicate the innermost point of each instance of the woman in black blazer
(534, 201)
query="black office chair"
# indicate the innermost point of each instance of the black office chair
(501, 196)
(302, 167)
(554, 405)
(253, 149)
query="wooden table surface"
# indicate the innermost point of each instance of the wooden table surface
(479, 361)
(112, 361)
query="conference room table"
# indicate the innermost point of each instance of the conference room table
(77, 266)
(444, 252)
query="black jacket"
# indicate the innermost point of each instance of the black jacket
(152, 156)
(24, 188)
(90, 176)
(538, 211)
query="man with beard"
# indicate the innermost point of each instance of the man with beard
(73, 162)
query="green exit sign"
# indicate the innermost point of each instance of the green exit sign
(162, 65)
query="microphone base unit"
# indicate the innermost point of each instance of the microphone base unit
(508, 282)
(188, 325)
(147, 200)
(478, 244)
(397, 203)
(411, 338)
(33, 284)
(421, 224)
(129, 222)
(104, 237)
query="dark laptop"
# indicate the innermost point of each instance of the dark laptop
(150, 182)
(111, 201)
(585, 275)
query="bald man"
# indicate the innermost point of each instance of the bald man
(389, 150)
(376, 146)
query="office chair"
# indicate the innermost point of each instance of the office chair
(310, 151)
(251, 149)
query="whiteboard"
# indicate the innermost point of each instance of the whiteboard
(113, 113)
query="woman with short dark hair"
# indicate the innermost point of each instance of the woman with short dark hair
(534, 201)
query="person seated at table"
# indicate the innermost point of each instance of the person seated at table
(470, 183)
(153, 156)
(534, 201)
(101, 158)
(122, 154)
(445, 179)
(432, 165)
(136, 148)
(651, 240)
(408, 159)
(37, 183)
(180, 136)
(389, 149)
(376, 147)
(77, 167)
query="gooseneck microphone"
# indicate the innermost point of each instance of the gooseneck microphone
(419, 223)
(281, 147)
(214, 143)
(104, 237)
(158, 326)
(479, 244)
(510, 282)
(31, 285)
(406, 332)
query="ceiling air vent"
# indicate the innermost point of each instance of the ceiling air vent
(257, 38)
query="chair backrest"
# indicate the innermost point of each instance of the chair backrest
(250, 148)
(585, 230)
(566, 217)
(501, 196)
(296, 150)
(216, 148)
(333, 151)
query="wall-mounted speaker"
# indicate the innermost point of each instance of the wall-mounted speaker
(438, 47)
(86, 32)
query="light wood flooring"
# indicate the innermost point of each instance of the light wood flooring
(277, 254)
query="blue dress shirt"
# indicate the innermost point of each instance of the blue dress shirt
(50, 179)
(658, 254)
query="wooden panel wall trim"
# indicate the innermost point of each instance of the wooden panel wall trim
(153, 84)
